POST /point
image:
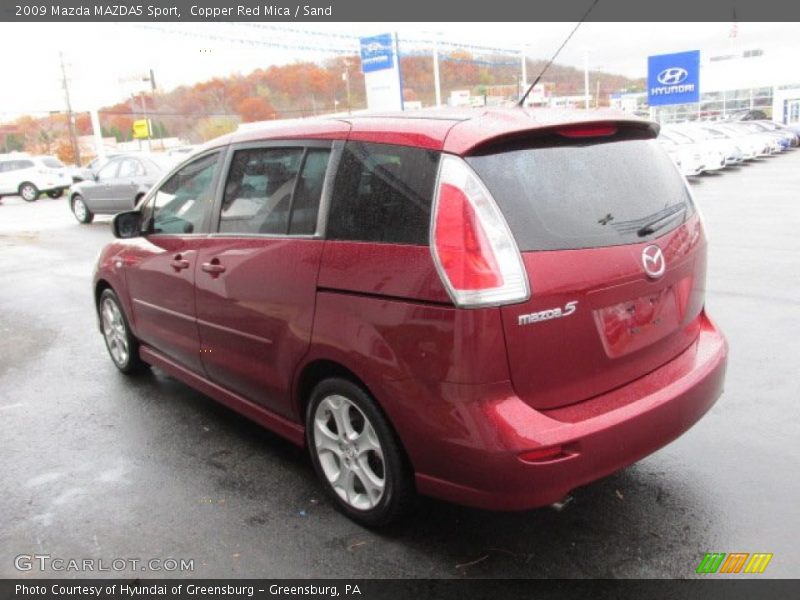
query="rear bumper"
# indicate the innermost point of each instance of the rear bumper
(468, 452)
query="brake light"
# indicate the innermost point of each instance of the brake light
(475, 254)
(588, 131)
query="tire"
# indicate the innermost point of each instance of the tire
(122, 346)
(80, 210)
(28, 191)
(365, 472)
(56, 193)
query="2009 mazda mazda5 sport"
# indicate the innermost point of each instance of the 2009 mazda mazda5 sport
(489, 307)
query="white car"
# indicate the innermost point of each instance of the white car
(688, 160)
(29, 176)
(712, 156)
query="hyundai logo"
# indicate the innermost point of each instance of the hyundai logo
(672, 76)
(653, 261)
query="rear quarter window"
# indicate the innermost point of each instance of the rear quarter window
(383, 193)
(561, 194)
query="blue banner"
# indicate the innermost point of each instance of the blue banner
(673, 78)
(377, 53)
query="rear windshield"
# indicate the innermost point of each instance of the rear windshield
(564, 195)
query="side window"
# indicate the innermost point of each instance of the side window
(308, 192)
(383, 193)
(130, 167)
(109, 171)
(258, 192)
(24, 164)
(182, 204)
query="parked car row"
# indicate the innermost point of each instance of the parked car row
(106, 185)
(699, 147)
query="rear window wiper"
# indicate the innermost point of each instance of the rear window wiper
(660, 220)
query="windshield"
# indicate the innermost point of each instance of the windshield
(585, 195)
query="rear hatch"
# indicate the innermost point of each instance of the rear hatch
(591, 210)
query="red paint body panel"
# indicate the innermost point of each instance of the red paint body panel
(389, 340)
(625, 324)
(397, 271)
(421, 133)
(161, 296)
(255, 318)
(467, 450)
(496, 125)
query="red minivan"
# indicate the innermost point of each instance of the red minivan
(491, 307)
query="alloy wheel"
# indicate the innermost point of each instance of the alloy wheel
(115, 332)
(349, 452)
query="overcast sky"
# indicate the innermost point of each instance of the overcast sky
(100, 55)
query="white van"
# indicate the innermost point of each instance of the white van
(29, 176)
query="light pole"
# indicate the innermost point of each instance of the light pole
(586, 78)
(524, 82)
(346, 77)
(436, 81)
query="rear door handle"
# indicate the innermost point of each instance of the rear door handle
(179, 263)
(213, 267)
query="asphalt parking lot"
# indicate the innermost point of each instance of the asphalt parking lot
(95, 465)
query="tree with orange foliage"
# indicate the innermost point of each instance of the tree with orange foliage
(255, 109)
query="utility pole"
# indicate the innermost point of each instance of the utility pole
(437, 84)
(76, 152)
(346, 77)
(586, 78)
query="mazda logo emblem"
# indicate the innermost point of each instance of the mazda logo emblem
(672, 76)
(653, 261)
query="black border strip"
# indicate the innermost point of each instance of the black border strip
(405, 11)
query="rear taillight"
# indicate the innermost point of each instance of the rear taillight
(475, 254)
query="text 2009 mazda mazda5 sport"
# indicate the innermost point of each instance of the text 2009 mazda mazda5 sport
(488, 307)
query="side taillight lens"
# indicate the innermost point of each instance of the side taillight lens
(475, 254)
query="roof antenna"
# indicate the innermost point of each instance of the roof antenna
(547, 66)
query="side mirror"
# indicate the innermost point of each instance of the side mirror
(127, 224)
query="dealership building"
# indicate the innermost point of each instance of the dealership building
(729, 82)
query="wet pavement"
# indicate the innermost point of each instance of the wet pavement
(96, 465)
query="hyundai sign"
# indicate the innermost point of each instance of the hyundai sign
(377, 53)
(673, 78)
(381, 72)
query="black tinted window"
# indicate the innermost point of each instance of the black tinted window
(383, 193)
(584, 195)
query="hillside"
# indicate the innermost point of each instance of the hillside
(210, 108)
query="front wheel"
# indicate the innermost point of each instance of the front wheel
(80, 210)
(122, 346)
(56, 193)
(28, 191)
(357, 455)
